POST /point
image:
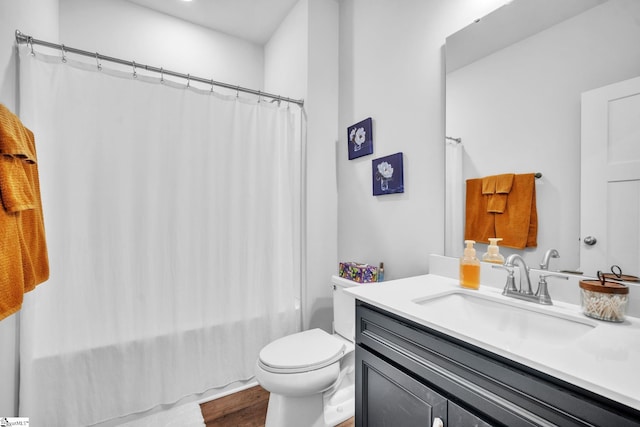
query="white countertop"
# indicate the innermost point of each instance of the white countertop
(604, 360)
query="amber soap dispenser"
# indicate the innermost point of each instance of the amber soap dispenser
(470, 267)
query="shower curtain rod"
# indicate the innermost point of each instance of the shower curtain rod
(23, 38)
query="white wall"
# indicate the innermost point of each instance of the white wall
(126, 30)
(322, 186)
(391, 69)
(38, 18)
(30, 17)
(301, 60)
(286, 55)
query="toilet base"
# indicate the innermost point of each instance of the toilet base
(286, 411)
(340, 405)
(317, 410)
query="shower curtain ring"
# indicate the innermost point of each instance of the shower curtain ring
(98, 62)
(30, 44)
(161, 75)
(135, 74)
(238, 92)
(259, 97)
(188, 80)
(64, 57)
(211, 85)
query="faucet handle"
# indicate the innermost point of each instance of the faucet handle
(543, 291)
(510, 286)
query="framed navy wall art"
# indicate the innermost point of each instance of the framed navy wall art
(388, 175)
(360, 139)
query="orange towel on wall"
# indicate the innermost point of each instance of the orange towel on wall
(24, 260)
(517, 225)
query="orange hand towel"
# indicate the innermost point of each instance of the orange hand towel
(23, 257)
(479, 224)
(518, 225)
(489, 185)
(498, 201)
(504, 183)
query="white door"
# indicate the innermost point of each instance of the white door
(610, 169)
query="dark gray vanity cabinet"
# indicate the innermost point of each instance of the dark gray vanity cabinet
(408, 375)
(393, 398)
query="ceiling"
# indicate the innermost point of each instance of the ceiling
(252, 20)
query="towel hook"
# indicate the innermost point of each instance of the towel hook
(64, 57)
(98, 62)
(135, 74)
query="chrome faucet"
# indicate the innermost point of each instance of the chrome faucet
(525, 293)
(551, 253)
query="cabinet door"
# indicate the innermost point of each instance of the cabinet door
(386, 396)
(459, 417)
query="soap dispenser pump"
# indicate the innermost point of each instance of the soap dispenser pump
(493, 252)
(470, 267)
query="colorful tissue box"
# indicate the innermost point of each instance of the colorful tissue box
(361, 273)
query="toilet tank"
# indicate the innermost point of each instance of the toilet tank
(344, 308)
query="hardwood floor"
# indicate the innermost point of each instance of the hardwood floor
(247, 408)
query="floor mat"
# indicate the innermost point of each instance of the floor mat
(188, 415)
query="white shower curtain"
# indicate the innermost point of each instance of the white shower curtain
(173, 225)
(454, 199)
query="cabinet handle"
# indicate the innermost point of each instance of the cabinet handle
(437, 422)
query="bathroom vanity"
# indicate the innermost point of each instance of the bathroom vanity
(408, 375)
(417, 359)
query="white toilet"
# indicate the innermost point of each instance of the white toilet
(311, 374)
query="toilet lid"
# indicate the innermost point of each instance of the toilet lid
(304, 351)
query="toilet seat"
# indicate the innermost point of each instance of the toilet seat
(301, 352)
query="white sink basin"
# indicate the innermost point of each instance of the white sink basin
(502, 322)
